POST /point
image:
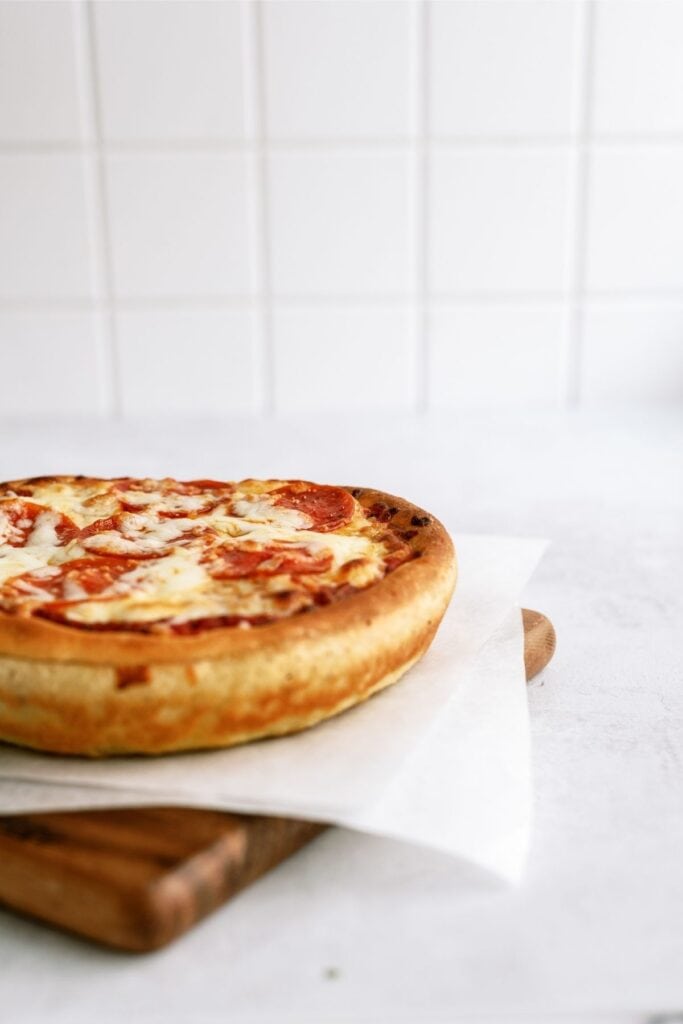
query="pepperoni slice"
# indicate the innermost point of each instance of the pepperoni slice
(328, 507)
(23, 522)
(134, 536)
(17, 519)
(233, 563)
(78, 580)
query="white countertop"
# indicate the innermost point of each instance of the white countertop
(355, 928)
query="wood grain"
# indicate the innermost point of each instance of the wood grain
(138, 878)
(539, 642)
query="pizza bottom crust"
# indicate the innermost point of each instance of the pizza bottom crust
(100, 710)
(45, 731)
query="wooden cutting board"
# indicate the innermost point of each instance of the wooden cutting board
(138, 878)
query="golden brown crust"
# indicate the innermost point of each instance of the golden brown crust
(95, 692)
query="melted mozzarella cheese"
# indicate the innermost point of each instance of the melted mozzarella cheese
(169, 503)
(261, 510)
(60, 496)
(16, 561)
(344, 548)
(73, 591)
(179, 573)
(138, 535)
(140, 499)
(8, 530)
(44, 533)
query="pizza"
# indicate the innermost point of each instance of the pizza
(147, 616)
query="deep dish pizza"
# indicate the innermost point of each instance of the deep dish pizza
(141, 615)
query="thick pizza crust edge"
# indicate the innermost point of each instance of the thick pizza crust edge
(91, 692)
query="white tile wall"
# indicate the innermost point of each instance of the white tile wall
(297, 206)
(635, 223)
(639, 71)
(633, 354)
(170, 71)
(499, 219)
(341, 222)
(344, 357)
(520, 351)
(51, 364)
(179, 224)
(501, 68)
(178, 361)
(38, 73)
(339, 70)
(44, 230)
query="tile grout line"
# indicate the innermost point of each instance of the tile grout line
(262, 219)
(579, 212)
(101, 254)
(422, 166)
(191, 147)
(249, 150)
(86, 152)
(614, 298)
